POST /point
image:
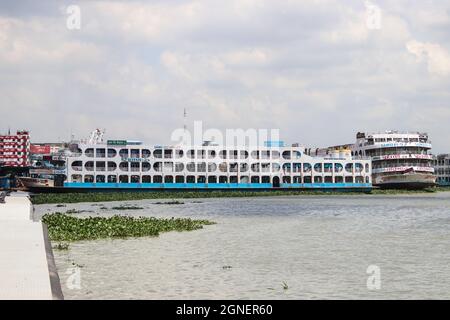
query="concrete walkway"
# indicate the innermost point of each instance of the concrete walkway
(26, 261)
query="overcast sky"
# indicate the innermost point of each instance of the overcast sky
(319, 71)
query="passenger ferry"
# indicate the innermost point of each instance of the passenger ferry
(131, 165)
(399, 159)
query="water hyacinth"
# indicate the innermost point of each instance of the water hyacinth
(62, 227)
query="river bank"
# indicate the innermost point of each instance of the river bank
(48, 198)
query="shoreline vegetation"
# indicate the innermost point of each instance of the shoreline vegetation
(65, 228)
(59, 198)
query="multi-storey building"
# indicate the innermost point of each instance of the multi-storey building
(441, 164)
(15, 149)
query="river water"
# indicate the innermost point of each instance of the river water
(309, 247)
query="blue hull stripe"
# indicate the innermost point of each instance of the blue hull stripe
(214, 185)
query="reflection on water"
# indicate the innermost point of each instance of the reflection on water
(320, 246)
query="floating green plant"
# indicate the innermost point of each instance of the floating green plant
(170, 202)
(63, 227)
(127, 207)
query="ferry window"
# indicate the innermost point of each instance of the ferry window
(307, 179)
(190, 167)
(157, 153)
(168, 167)
(190, 154)
(112, 179)
(100, 179)
(233, 167)
(190, 179)
(223, 179)
(201, 179)
(178, 154)
(367, 179)
(77, 178)
(134, 153)
(212, 167)
(168, 154)
(244, 179)
(275, 155)
(135, 166)
(146, 153)
(265, 154)
(89, 166)
(179, 179)
(276, 167)
(168, 179)
(100, 165)
(146, 179)
(317, 179)
(349, 167)
(306, 167)
(254, 179)
(123, 166)
(223, 154)
(100, 153)
(112, 166)
(255, 154)
(88, 178)
(243, 167)
(265, 179)
(157, 179)
(233, 154)
(146, 166)
(287, 167)
(297, 179)
(233, 179)
(328, 167)
(338, 167)
(286, 155)
(255, 167)
(223, 167)
(359, 179)
(349, 179)
(201, 154)
(211, 154)
(297, 167)
(358, 167)
(157, 166)
(179, 167)
(318, 167)
(328, 179)
(201, 167)
(338, 179)
(123, 153)
(212, 179)
(77, 165)
(265, 167)
(296, 154)
(286, 179)
(89, 152)
(243, 154)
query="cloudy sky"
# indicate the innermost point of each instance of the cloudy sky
(318, 70)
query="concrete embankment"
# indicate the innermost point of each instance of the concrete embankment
(27, 268)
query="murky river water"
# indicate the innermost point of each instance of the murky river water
(320, 247)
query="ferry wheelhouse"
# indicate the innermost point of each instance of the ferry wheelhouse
(399, 159)
(125, 164)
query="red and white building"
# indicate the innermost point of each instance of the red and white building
(15, 149)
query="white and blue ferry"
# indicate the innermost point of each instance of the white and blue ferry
(131, 165)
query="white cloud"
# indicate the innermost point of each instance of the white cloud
(436, 57)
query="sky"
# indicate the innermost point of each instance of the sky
(318, 70)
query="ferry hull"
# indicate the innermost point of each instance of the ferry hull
(88, 187)
(406, 181)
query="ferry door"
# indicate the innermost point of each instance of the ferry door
(276, 182)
